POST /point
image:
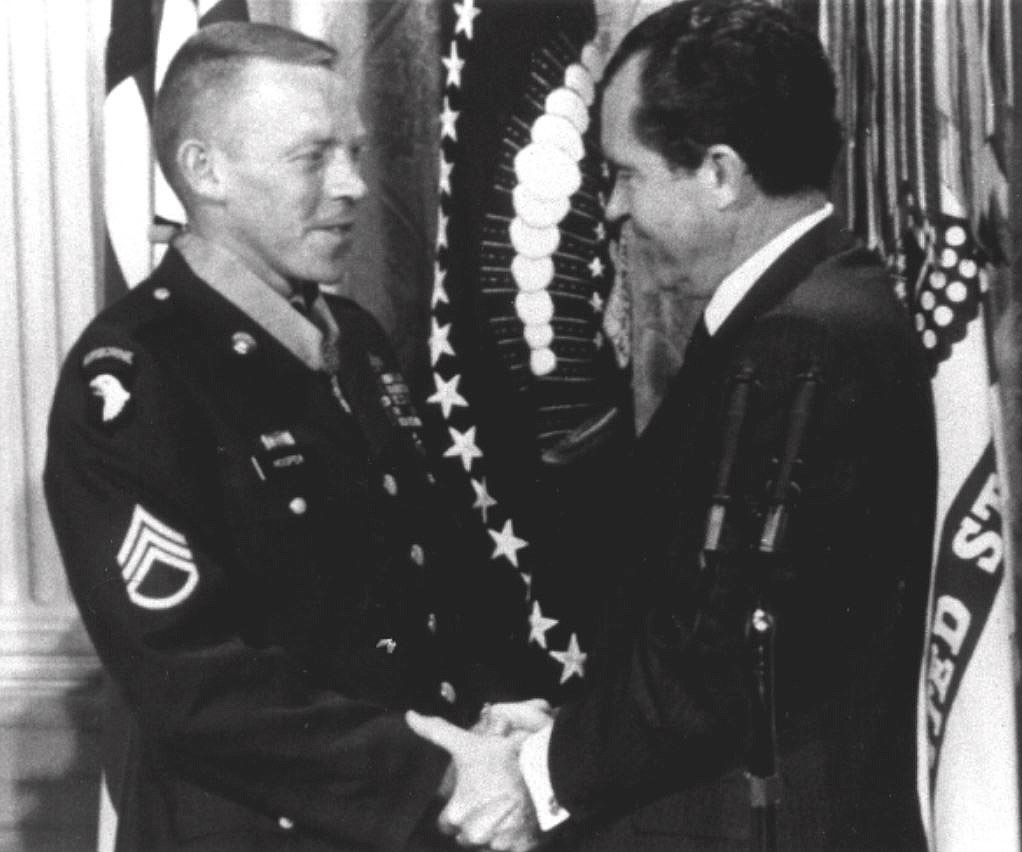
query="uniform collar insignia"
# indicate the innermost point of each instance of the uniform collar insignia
(227, 274)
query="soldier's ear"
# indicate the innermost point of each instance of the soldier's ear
(199, 165)
(725, 175)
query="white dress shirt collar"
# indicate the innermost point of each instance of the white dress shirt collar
(733, 288)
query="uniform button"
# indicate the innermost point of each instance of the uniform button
(417, 554)
(447, 692)
(285, 823)
(298, 506)
(243, 343)
(390, 484)
(431, 622)
(161, 294)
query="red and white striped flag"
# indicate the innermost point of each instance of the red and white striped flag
(140, 208)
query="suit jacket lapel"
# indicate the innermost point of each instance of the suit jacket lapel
(781, 277)
(678, 417)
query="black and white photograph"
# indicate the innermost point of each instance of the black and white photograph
(510, 425)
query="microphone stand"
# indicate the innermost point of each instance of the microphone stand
(764, 779)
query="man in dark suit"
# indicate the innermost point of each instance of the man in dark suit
(240, 491)
(718, 120)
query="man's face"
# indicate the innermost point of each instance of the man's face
(671, 208)
(288, 147)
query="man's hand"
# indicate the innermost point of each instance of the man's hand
(490, 805)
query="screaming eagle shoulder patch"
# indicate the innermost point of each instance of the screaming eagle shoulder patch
(112, 394)
(108, 371)
(156, 562)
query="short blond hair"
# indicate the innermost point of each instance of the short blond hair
(209, 64)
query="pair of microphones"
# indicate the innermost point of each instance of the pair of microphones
(782, 488)
(762, 764)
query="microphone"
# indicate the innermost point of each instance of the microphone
(775, 524)
(738, 404)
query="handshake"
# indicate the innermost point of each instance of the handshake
(488, 803)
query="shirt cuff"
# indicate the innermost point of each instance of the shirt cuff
(536, 771)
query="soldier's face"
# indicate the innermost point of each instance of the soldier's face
(289, 148)
(673, 209)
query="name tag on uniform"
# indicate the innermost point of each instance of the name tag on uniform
(274, 440)
(280, 454)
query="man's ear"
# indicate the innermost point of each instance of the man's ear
(726, 175)
(199, 166)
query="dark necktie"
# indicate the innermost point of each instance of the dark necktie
(303, 294)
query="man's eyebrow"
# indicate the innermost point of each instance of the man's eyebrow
(310, 141)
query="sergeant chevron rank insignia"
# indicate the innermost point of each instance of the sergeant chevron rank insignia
(156, 563)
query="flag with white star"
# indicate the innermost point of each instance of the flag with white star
(522, 272)
(927, 84)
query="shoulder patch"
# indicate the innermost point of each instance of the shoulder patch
(113, 397)
(156, 562)
(109, 373)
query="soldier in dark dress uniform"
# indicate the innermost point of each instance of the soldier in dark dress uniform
(241, 494)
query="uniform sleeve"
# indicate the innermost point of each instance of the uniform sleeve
(131, 487)
(671, 708)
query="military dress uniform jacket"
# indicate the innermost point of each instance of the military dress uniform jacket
(261, 561)
(670, 708)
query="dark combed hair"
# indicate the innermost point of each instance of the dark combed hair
(741, 73)
(206, 66)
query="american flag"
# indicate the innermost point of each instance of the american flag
(968, 732)
(925, 88)
(968, 759)
(139, 206)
